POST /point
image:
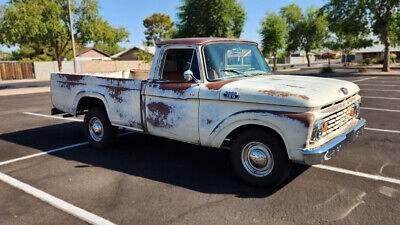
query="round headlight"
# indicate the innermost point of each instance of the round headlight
(356, 110)
(319, 130)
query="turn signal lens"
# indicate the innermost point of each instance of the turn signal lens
(352, 112)
(325, 128)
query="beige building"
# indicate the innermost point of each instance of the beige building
(129, 54)
(90, 53)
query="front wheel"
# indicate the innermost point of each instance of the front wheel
(98, 129)
(259, 158)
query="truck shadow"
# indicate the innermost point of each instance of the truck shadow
(206, 170)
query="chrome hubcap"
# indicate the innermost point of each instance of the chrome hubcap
(96, 129)
(257, 159)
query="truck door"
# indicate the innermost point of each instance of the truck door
(171, 103)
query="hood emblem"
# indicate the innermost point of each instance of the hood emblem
(344, 90)
(231, 95)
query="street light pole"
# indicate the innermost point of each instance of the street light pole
(72, 34)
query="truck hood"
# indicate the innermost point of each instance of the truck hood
(299, 91)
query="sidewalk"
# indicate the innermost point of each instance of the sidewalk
(20, 87)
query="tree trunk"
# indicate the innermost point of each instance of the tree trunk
(275, 62)
(59, 63)
(308, 60)
(386, 58)
(345, 59)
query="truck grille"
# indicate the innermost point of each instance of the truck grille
(338, 119)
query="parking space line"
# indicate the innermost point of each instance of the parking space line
(364, 89)
(386, 98)
(56, 202)
(358, 174)
(49, 116)
(383, 130)
(377, 109)
(55, 150)
(43, 153)
(384, 85)
(368, 78)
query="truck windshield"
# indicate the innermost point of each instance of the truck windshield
(230, 60)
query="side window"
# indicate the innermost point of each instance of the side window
(177, 61)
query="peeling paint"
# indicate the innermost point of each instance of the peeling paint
(282, 94)
(115, 92)
(178, 88)
(159, 114)
(219, 84)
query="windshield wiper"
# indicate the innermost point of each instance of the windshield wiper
(233, 71)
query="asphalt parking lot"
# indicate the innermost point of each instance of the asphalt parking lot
(50, 176)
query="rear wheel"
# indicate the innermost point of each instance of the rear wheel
(259, 158)
(98, 129)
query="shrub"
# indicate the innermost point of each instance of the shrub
(365, 61)
(327, 70)
(362, 70)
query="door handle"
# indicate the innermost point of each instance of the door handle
(153, 85)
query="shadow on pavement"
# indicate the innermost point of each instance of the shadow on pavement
(206, 170)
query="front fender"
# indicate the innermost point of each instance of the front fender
(293, 132)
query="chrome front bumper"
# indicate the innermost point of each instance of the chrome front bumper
(325, 152)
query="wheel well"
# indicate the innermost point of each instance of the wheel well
(86, 103)
(241, 129)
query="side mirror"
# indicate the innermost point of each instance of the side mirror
(188, 75)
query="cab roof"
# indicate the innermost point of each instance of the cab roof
(200, 41)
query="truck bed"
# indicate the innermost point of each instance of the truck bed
(120, 95)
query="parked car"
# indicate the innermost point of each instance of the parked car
(207, 91)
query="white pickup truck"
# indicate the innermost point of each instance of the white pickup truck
(210, 91)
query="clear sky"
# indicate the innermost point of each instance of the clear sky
(130, 14)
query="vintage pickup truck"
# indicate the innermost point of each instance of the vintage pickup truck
(210, 91)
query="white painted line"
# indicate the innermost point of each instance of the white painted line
(358, 174)
(56, 202)
(387, 98)
(377, 109)
(383, 130)
(53, 117)
(42, 153)
(54, 150)
(379, 90)
(368, 78)
(384, 85)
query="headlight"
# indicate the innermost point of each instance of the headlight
(356, 110)
(319, 130)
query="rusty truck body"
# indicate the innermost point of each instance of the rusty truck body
(210, 91)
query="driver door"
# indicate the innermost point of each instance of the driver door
(171, 103)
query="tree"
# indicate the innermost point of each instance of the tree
(380, 15)
(306, 32)
(345, 43)
(273, 32)
(157, 27)
(210, 18)
(46, 23)
(347, 34)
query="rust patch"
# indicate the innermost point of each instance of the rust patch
(209, 121)
(282, 94)
(115, 92)
(71, 77)
(178, 88)
(160, 112)
(293, 86)
(219, 84)
(68, 85)
(306, 119)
